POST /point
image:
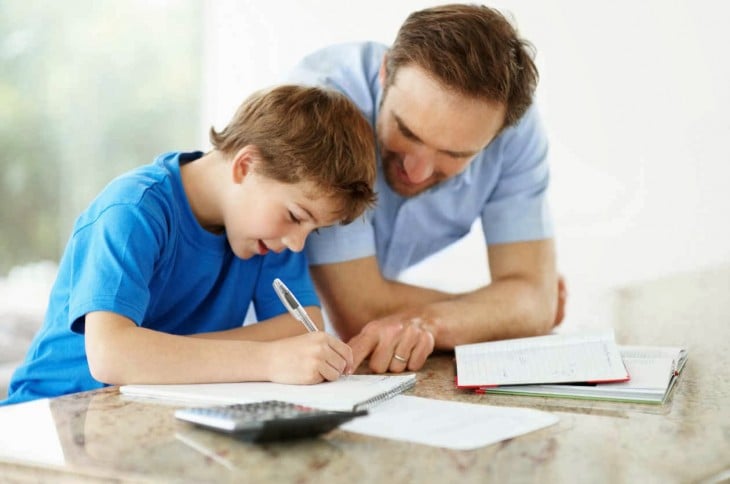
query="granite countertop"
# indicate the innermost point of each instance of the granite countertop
(103, 435)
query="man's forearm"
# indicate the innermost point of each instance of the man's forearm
(520, 301)
(509, 308)
(354, 293)
(397, 298)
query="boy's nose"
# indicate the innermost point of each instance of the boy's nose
(294, 241)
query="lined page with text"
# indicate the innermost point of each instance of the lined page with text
(557, 358)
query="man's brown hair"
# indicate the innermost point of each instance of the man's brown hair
(308, 134)
(471, 49)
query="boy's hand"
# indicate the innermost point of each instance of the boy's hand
(309, 358)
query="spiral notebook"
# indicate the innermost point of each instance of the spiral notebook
(355, 392)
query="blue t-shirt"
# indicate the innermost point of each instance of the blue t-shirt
(138, 251)
(505, 185)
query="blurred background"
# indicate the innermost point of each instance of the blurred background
(634, 96)
(88, 90)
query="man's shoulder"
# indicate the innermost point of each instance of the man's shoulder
(527, 137)
(529, 123)
(340, 64)
(365, 53)
(351, 68)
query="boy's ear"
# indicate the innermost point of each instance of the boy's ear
(383, 72)
(243, 162)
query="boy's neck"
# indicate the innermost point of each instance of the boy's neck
(197, 179)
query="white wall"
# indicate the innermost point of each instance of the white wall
(635, 97)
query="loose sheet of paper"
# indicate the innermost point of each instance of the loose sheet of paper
(448, 424)
(29, 433)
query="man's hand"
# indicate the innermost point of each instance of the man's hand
(562, 299)
(402, 341)
(395, 343)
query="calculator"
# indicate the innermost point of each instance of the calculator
(267, 421)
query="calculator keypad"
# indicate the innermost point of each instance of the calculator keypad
(247, 412)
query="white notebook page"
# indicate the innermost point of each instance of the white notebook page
(650, 367)
(558, 358)
(344, 394)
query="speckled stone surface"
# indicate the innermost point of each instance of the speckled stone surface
(104, 436)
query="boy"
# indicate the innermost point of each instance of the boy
(159, 272)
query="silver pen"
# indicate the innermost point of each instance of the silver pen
(292, 305)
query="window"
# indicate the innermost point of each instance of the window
(88, 89)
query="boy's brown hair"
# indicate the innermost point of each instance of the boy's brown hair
(308, 134)
(471, 49)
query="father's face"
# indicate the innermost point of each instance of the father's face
(427, 134)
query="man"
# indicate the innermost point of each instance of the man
(459, 139)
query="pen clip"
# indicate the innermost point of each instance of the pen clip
(287, 298)
(292, 305)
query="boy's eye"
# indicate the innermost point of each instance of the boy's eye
(294, 218)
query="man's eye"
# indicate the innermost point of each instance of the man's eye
(408, 134)
(293, 218)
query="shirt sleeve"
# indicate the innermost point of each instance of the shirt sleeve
(517, 209)
(112, 259)
(343, 242)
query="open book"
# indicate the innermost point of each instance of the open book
(354, 392)
(556, 358)
(653, 370)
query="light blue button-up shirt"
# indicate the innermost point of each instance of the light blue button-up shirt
(505, 185)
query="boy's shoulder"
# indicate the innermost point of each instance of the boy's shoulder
(131, 186)
(152, 187)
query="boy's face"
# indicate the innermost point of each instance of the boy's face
(263, 215)
(427, 133)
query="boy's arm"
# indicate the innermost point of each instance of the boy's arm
(384, 318)
(275, 328)
(119, 352)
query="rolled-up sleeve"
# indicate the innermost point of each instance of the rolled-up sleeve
(517, 210)
(342, 243)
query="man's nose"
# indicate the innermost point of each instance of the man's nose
(418, 167)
